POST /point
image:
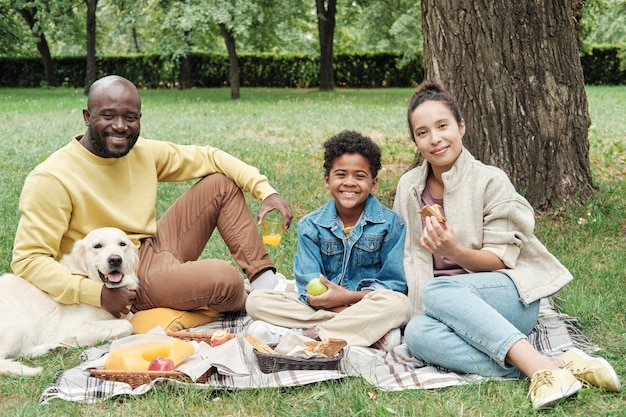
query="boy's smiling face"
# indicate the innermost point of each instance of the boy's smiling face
(350, 182)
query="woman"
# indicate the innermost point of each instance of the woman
(490, 270)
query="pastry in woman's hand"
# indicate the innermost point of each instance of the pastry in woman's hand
(432, 211)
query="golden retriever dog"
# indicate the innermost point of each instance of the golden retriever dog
(32, 323)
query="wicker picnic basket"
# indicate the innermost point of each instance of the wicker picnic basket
(272, 362)
(137, 378)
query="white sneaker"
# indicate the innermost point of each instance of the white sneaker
(390, 340)
(269, 280)
(266, 332)
(281, 283)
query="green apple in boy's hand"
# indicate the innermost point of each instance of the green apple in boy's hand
(316, 287)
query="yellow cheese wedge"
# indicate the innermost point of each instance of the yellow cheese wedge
(134, 353)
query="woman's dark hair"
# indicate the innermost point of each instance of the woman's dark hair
(350, 141)
(432, 91)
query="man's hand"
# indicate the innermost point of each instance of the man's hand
(275, 201)
(117, 300)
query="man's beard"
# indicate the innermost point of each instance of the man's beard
(99, 143)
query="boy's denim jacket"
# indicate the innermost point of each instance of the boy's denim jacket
(370, 258)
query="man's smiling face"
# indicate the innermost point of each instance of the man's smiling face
(112, 119)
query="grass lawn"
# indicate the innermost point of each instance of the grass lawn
(281, 132)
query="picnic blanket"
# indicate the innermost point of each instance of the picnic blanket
(237, 366)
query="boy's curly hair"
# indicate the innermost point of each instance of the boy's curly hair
(350, 141)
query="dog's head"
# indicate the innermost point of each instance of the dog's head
(106, 255)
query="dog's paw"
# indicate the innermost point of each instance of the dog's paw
(42, 349)
(9, 367)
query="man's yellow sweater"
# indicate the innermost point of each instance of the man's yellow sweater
(74, 191)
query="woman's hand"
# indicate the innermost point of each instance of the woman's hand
(441, 241)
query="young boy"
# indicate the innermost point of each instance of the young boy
(354, 245)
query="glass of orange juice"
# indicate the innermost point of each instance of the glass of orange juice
(272, 228)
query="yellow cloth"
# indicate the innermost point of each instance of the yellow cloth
(171, 320)
(74, 191)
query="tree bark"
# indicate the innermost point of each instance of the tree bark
(326, 11)
(515, 71)
(92, 70)
(577, 14)
(233, 67)
(43, 48)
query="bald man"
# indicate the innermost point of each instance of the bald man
(107, 177)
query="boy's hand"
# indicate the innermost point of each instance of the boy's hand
(336, 299)
(328, 299)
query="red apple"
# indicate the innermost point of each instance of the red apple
(159, 363)
(220, 337)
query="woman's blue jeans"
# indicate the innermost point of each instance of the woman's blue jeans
(470, 322)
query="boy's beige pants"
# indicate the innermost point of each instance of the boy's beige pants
(361, 324)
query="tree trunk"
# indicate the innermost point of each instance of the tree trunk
(185, 72)
(49, 69)
(185, 65)
(233, 67)
(326, 32)
(515, 71)
(577, 14)
(135, 41)
(91, 72)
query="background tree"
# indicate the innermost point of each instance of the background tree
(285, 27)
(326, 10)
(603, 22)
(184, 20)
(386, 26)
(234, 18)
(38, 15)
(30, 16)
(366, 26)
(130, 23)
(253, 22)
(233, 60)
(11, 33)
(256, 25)
(515, 69)
(92, 69)
(380, 26)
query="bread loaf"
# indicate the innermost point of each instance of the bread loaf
(259, 345)
(329, 346)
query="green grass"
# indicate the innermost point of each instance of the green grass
(281, 131)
